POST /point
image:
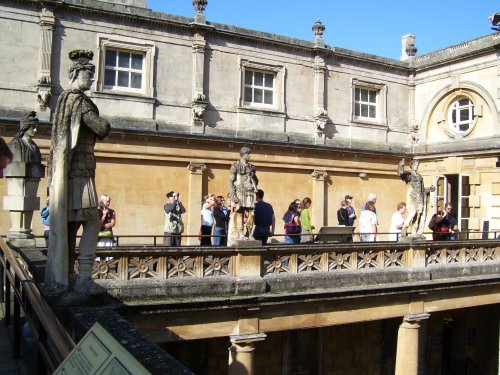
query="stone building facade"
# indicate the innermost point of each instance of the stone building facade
(184, 94)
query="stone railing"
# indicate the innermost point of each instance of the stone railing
(129, 263)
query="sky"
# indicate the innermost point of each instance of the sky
(374, 27)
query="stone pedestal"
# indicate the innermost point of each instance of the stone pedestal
(21, 200)
(407, 356)
(241, 354)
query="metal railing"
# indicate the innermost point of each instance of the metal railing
(53, 341)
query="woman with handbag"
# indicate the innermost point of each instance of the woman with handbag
(292, 224)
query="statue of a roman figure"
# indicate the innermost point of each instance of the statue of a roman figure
(417, 199)
(242, 187)
(73, 198)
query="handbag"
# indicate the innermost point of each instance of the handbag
(291, 227)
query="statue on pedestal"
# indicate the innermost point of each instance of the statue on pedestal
(23, 176)
(242, 188)
(73, 196)
(417, 200)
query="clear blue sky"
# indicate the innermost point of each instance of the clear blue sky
(372, 27)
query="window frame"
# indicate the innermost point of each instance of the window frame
(380, 106)
(454, 127)
(130, 45)
(278, 89)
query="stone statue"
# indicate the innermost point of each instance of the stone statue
(417, 200)
(22, 145)
(242, 187)
(73, 197)
(23, 177)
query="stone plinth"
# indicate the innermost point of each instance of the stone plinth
(21, 200)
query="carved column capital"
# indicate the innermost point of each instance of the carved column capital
(413, 320)
(319, 175)
(197, 168)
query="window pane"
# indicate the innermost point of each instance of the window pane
(258, 79)
(110, 58)
(123, 60)
(454, 116)
(356, 110)
(364, 95)
(136, 82)
(464, 114)
(373, 97)
(373, 113)
(463, 102)
(248, 78)
(357, 94)
(123, 79)
(136, 61)
(364, 110)
(257, 98)
(269, 80)
(109, 77)
(463, 127)
(248, 94)
(268, 97)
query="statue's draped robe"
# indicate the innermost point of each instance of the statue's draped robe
(73, 196)
(244, 184)
(24, 151)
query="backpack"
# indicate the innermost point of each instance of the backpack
(291, 227)
(432, 223)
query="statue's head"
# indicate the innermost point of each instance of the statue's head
(245, 151)
(81, 69)
(28, 124)
(414, 164)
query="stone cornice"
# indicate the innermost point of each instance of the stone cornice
(146, 16)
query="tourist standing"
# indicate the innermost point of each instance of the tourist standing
(45, 214)
(263, 218)
(305, 221)
(446, 224)
(207, 220)
(292, 224)
(350, 209)
(221, 218)
(107, 217)
(368, 223)
(397, 222)
(343, 214)
(174, 226)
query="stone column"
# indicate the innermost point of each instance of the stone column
(318, 198)
(195, 198)
(44, 85)
(199, 103)
(241, 354)
(407, 356)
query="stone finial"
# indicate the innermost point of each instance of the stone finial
(199, 6)
(318, 29)
(409, 49)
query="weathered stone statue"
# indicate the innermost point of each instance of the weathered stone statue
(242, 187)
(23, 176)
(73, 197)
(417, 200)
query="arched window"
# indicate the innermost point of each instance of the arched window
(461, 115)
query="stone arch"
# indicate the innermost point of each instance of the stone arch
(452, 90)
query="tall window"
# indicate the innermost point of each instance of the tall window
(259, 88)
(461, 115)
(124, 70)
(365, 103)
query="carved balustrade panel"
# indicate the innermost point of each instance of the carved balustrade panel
(182, 266)
(394, 258)
(309, 262)
(216, 265)
(276, 263)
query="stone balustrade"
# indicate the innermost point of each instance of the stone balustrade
(402, 262)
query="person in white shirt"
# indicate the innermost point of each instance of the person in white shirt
(368, 224)
(397, 222)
